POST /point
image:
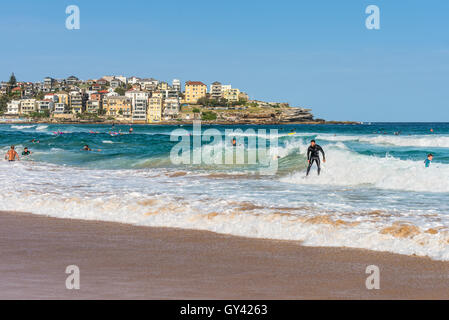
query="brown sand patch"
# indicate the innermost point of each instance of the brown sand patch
(401, 230)
(151, 213)
(328, 220)
(212, 215)
(177, 174)
(148, 202)
(432, 231)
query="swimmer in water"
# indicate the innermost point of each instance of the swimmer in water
(26, 152)
(86, 148)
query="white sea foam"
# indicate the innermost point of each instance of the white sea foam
(434, 141)
(346, 168)
(123, 197)
(21, 127)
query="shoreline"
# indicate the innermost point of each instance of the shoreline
(184, 123)
(120, 261)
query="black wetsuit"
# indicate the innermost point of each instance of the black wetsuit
(313, 155)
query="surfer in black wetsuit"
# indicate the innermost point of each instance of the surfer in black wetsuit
(313, 155)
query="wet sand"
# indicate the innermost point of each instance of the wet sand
(120, 261)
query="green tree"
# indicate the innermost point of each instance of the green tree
(4, 99)
(208, 116)
(120, 91)
(12, 80)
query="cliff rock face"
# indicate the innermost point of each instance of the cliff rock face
(295, 115)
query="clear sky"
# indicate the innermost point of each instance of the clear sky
(316, 54)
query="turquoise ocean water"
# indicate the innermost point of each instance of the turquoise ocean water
(374, 191)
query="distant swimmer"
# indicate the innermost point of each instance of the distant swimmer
(26, 152)
(87, 148)
(35, 141)
(428, 160)
(313, 155)
(12, 155)
(234, 142)
(131, 130)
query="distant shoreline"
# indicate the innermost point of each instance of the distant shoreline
(175, 123)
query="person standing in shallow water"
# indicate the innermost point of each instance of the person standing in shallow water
(12, 155)
(428, 160)
(313, 155)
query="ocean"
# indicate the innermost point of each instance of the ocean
(374, 191)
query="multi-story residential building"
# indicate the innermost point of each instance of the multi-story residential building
(116, 83)
(171, 107)
(119, 106)
(61, 108)
(93, 106)
(28, 89)
(63, 97)
(13, 107)
(72, 80)
(170, 93)
(140, 107)
(77, 102)
(231, 95)
(52, 97)
(49, 82)
(136, 94)
(46, 105)
(96, 96)
(158, 94)
(133, 80)
(148, 84)
(123, 79)
(225, 87)
(195, 90)
(176, 85)
(102, 82)
(4, 87)
(28, 106)
(154, 112)
(216, 90)
(162, 86)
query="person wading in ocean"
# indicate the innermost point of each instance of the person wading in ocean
(12, 155)
(313, 155)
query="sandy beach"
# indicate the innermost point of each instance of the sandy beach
(119, 261)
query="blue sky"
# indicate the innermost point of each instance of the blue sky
(315, 54)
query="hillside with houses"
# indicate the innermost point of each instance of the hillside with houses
(137, 100)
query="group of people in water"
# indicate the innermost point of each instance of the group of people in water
(12, 154)
(313, 154)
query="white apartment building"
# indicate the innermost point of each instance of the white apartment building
(171, 107)
(61, 108)
(140, 107)
(13, 107)
(176, 85)
(45, 105)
